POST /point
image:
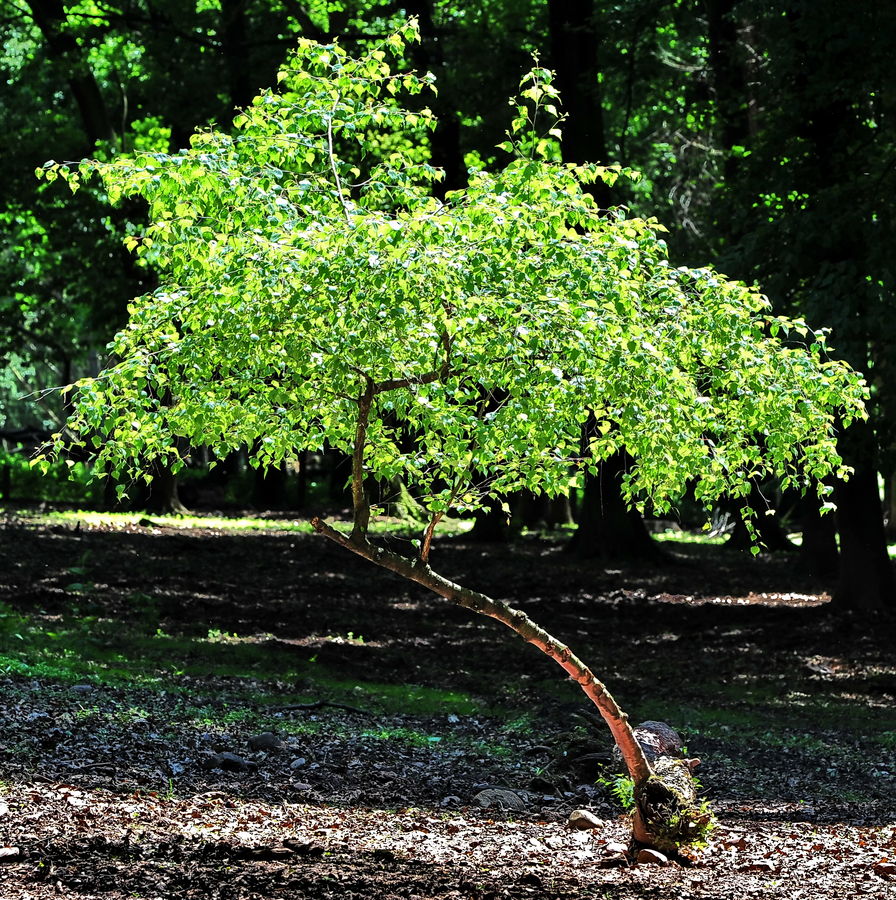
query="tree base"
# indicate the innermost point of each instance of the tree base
(668, 815)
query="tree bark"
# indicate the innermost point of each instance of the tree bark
(768, 527)
(575, 48)
(161, 494)
(491, 525)
(866, 580)
(729, 81)
(234, 44)
(541, 511)
(445, 143)
(50, 18)
(818, 553)
(607, 527)
(269, 487)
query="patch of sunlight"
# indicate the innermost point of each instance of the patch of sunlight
(690, 537)
(123, 520)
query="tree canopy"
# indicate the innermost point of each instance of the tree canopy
(313, 290)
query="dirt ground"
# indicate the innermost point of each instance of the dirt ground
(359, 770)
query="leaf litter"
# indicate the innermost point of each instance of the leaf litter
(219, 784)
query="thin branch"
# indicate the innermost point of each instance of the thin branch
(360, 504)
(427, 537)
(332, 156)
(431, 527)
(319, 704)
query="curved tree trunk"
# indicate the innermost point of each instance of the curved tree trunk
(666, 812)
(420, 572)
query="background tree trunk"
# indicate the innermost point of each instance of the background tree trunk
(445, 147)
(161, 495)
(866, 579)
(818, 553)
(50, 17)
(607, 527)
(770, 529)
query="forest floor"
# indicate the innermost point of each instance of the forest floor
(206, 713)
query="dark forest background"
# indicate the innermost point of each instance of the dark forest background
(763, 132)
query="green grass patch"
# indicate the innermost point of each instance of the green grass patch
(690, 537)
(92, 518)
(74, 649)
(235, 523)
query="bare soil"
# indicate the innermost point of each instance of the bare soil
(116, 788)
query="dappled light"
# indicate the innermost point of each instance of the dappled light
(143, 704)
(345, 405)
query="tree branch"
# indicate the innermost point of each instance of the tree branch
(332, 157)
(361, 507)
(442, 372)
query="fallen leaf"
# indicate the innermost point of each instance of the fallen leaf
(759, 867)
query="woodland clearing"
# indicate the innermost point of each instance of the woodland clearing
(144, 665)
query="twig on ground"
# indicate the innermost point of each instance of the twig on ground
(317, 704)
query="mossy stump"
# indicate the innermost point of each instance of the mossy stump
(668, 815)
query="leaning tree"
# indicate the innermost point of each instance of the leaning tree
(509, 336)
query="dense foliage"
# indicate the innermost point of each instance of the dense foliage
(307, 301)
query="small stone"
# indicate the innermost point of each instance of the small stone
(82, 688)
(500, 798)
(298, 763)
(230, 762)
(4, 809)
(582, 820)
(267, 740)
(9, 854)
(615, 848)
(652, 857)
(452, 801)
(542, 785)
